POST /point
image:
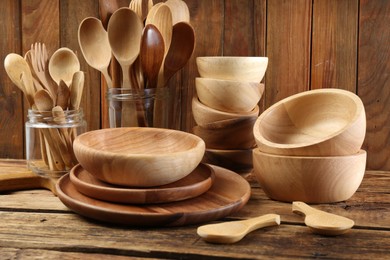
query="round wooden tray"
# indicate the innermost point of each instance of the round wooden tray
(229, 193)
(196, 183)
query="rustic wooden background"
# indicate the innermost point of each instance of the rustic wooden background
(310, 44)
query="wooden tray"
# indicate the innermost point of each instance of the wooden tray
(229, 193)
(196, 183)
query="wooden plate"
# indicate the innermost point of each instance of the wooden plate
(193, 185)
(229, 193)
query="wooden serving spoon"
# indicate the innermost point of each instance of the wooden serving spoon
(124, 34)
(63, 64)
(322, 222)
(152, 54)
(180, 51)
(234, 231)
(95, 47)
(76, 90)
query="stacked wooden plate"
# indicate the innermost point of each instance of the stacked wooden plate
(206, 193)
(226, 108)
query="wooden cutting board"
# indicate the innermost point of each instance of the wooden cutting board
(15, 176)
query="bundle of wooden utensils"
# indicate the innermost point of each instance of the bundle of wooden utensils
(226, 108)
(150, 43)
(53, 87)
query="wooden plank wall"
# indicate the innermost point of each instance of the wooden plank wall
(310, 44)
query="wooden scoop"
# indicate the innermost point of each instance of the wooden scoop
(234, 231)
(322, 222)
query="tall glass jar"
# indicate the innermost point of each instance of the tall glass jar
(49, 140)
(148, 107)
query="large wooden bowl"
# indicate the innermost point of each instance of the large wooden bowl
(250, 69)
(228, 95)
(324, 179)
(205, 115)
(324, 122)
(140, 157)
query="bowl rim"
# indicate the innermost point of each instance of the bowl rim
(260, 58)
(199, 144)
(251, 113)
(361, 152)
(356, 99)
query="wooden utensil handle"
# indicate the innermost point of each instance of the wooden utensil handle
(300, 207)
(25, 180)
(263, 221)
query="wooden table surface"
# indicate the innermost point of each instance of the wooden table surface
(35, 224)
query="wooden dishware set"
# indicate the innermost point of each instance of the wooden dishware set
(142, 176)
(309, 147)
(226, 108)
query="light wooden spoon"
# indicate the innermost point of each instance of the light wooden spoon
(16, 66)
(124, 34)
(95, 47)
(322, 222)
(180, 11)
(76, 90)
(63, 64)
(234, 231)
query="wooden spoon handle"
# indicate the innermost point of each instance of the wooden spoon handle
(262, 221)
(303, 208)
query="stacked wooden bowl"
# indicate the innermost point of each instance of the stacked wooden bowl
(309, 147)
(226, 108)
(143, 176)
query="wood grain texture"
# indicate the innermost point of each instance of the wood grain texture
(288, 48)
(11, 100)
(334, 44)
(37, 223)
(374, 79)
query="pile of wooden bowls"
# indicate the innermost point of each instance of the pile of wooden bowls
(226, 108)
(309, 147)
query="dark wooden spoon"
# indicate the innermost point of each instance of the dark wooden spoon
(181, 49)
(152, 54)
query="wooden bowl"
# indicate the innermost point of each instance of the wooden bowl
(235, 160)
(250, 69)
(204, 115)
(325, 122)
(324, 179)
(228, 95)
(141, 157)
(238, 135)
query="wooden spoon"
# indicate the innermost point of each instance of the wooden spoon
(152, 54)
(179, 9)
(322, 222)
(234, 231)
(15, 66)
(95, 47)
(63, 95)
(180, 51)
(141, 7)
(76, 90)
(43, 100)
(124, 35)
(63, 64)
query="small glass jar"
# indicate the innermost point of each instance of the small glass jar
(49, 140)
(148, 107)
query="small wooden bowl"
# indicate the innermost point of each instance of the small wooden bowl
(235, 160)
(228, 95)
(237, 135)
(309, 179)
(325, 122)
(204, 115)
(250, 69)
(140, 157)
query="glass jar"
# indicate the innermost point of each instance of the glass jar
(49, 140)
(148, 107)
